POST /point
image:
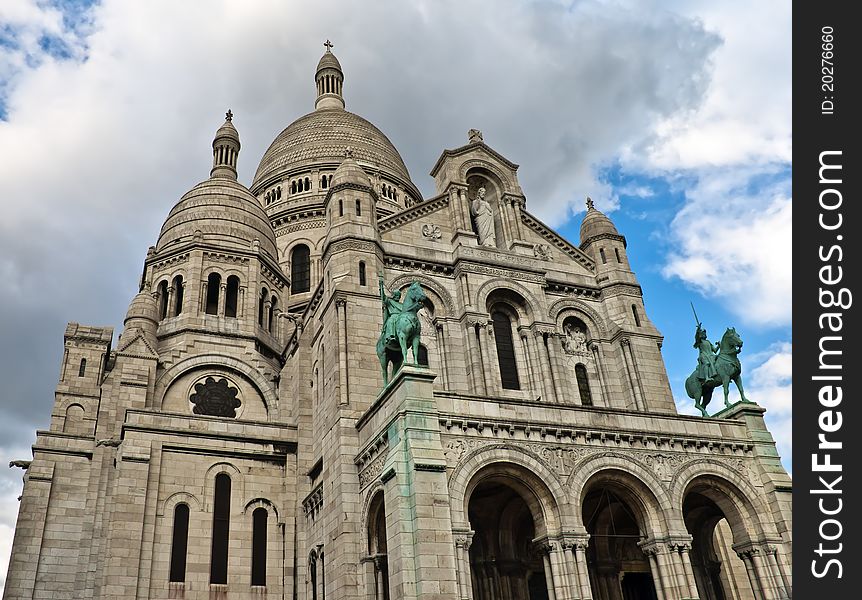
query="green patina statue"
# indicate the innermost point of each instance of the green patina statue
(401, 327)
(714, 369)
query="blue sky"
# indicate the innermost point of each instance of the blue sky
(673, 115)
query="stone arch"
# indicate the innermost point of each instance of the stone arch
(504, 180)
(647, 494)
(371, 495)
(531, 304)
(439, 296)
(236, 481)
(729, 490)
(568, 306)
(252, 375)
(524, 471)
(254, 503)
(167, 505)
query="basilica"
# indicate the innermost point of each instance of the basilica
(249, 435)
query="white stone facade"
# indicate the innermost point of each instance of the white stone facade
(535, 452)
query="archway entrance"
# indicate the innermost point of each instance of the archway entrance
(718, 572)
(504, 561)
(618, 568)
(377, 549)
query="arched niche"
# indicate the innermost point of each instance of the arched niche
(478, 178)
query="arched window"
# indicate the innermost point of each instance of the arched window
(278, 193)
(422, 359)
(602, 253)
(272, 305)
(505, 350)
(221, 529)
(82, 367)
(323, 182)
(162, 294)
(340, 207)
(322, 577)
(312, 574)
(213, 289)
(300, 269)
(179, 543)
(258, 546)
(178, 294)
(361, 272)
(231, 296)
(358, 208)
(583, 385)
(292, 187)
(636, 315)
(307, 184)
(261, 306)
(617, 254)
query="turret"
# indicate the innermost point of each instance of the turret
(329, 79)
(225, 149)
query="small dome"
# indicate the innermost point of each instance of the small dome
(142, 307)
(227, 130)
(595, 223)
(349, 171)
(225, 213)
(328, 60)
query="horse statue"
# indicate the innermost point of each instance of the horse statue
(401, 328)
(718, 369)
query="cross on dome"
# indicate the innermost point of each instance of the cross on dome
(589, 203)
(228, 115)
(329, 45)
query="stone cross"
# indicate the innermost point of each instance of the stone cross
(589, 203)
(228, 115)
(329, 45)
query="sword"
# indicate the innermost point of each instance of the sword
(696, 320)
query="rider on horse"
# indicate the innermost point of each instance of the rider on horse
(706, 369)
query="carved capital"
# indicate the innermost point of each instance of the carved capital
(625, 342)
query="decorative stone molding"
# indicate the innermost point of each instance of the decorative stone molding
(542, 252)
(293, 227)
(466, 267)
(429, 283)
(623, 289)
(224, 257)
(346, 245)
(372, 470)
(578, 291)
(562, 245)
(313, 502)
(404, 263)
(171, 261)
(411, 213)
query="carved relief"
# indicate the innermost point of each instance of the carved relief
(372, 471)
(542, 252)
(432, 232)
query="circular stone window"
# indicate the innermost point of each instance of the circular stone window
(215, 396)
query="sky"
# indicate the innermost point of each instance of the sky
(674, 116)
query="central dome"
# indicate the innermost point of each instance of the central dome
(322, 137)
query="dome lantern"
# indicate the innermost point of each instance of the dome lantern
(225, 149)
(330, 80)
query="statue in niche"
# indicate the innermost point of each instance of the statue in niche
(483, 215)
(575, 341)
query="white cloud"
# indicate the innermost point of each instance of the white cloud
(733, 244)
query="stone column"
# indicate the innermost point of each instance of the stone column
(524, 336)
(583, 571)
(266, 306)
(688, 570)
(486, 364)
(441, 350)
(556, 367)
(625, 345)
(202, 304)
(171, 312)
(782, 571)
(658, 568)
(462, 555)
(517, 203)
(752, 575)
(545, 362)
(341, 315)
(502, 202)
(772, 565)
(476, 376)
(380, 576)
(492, 365)
(549, 576)
(763, 576)
(600, 368)
(561, 589)
(222, 296)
